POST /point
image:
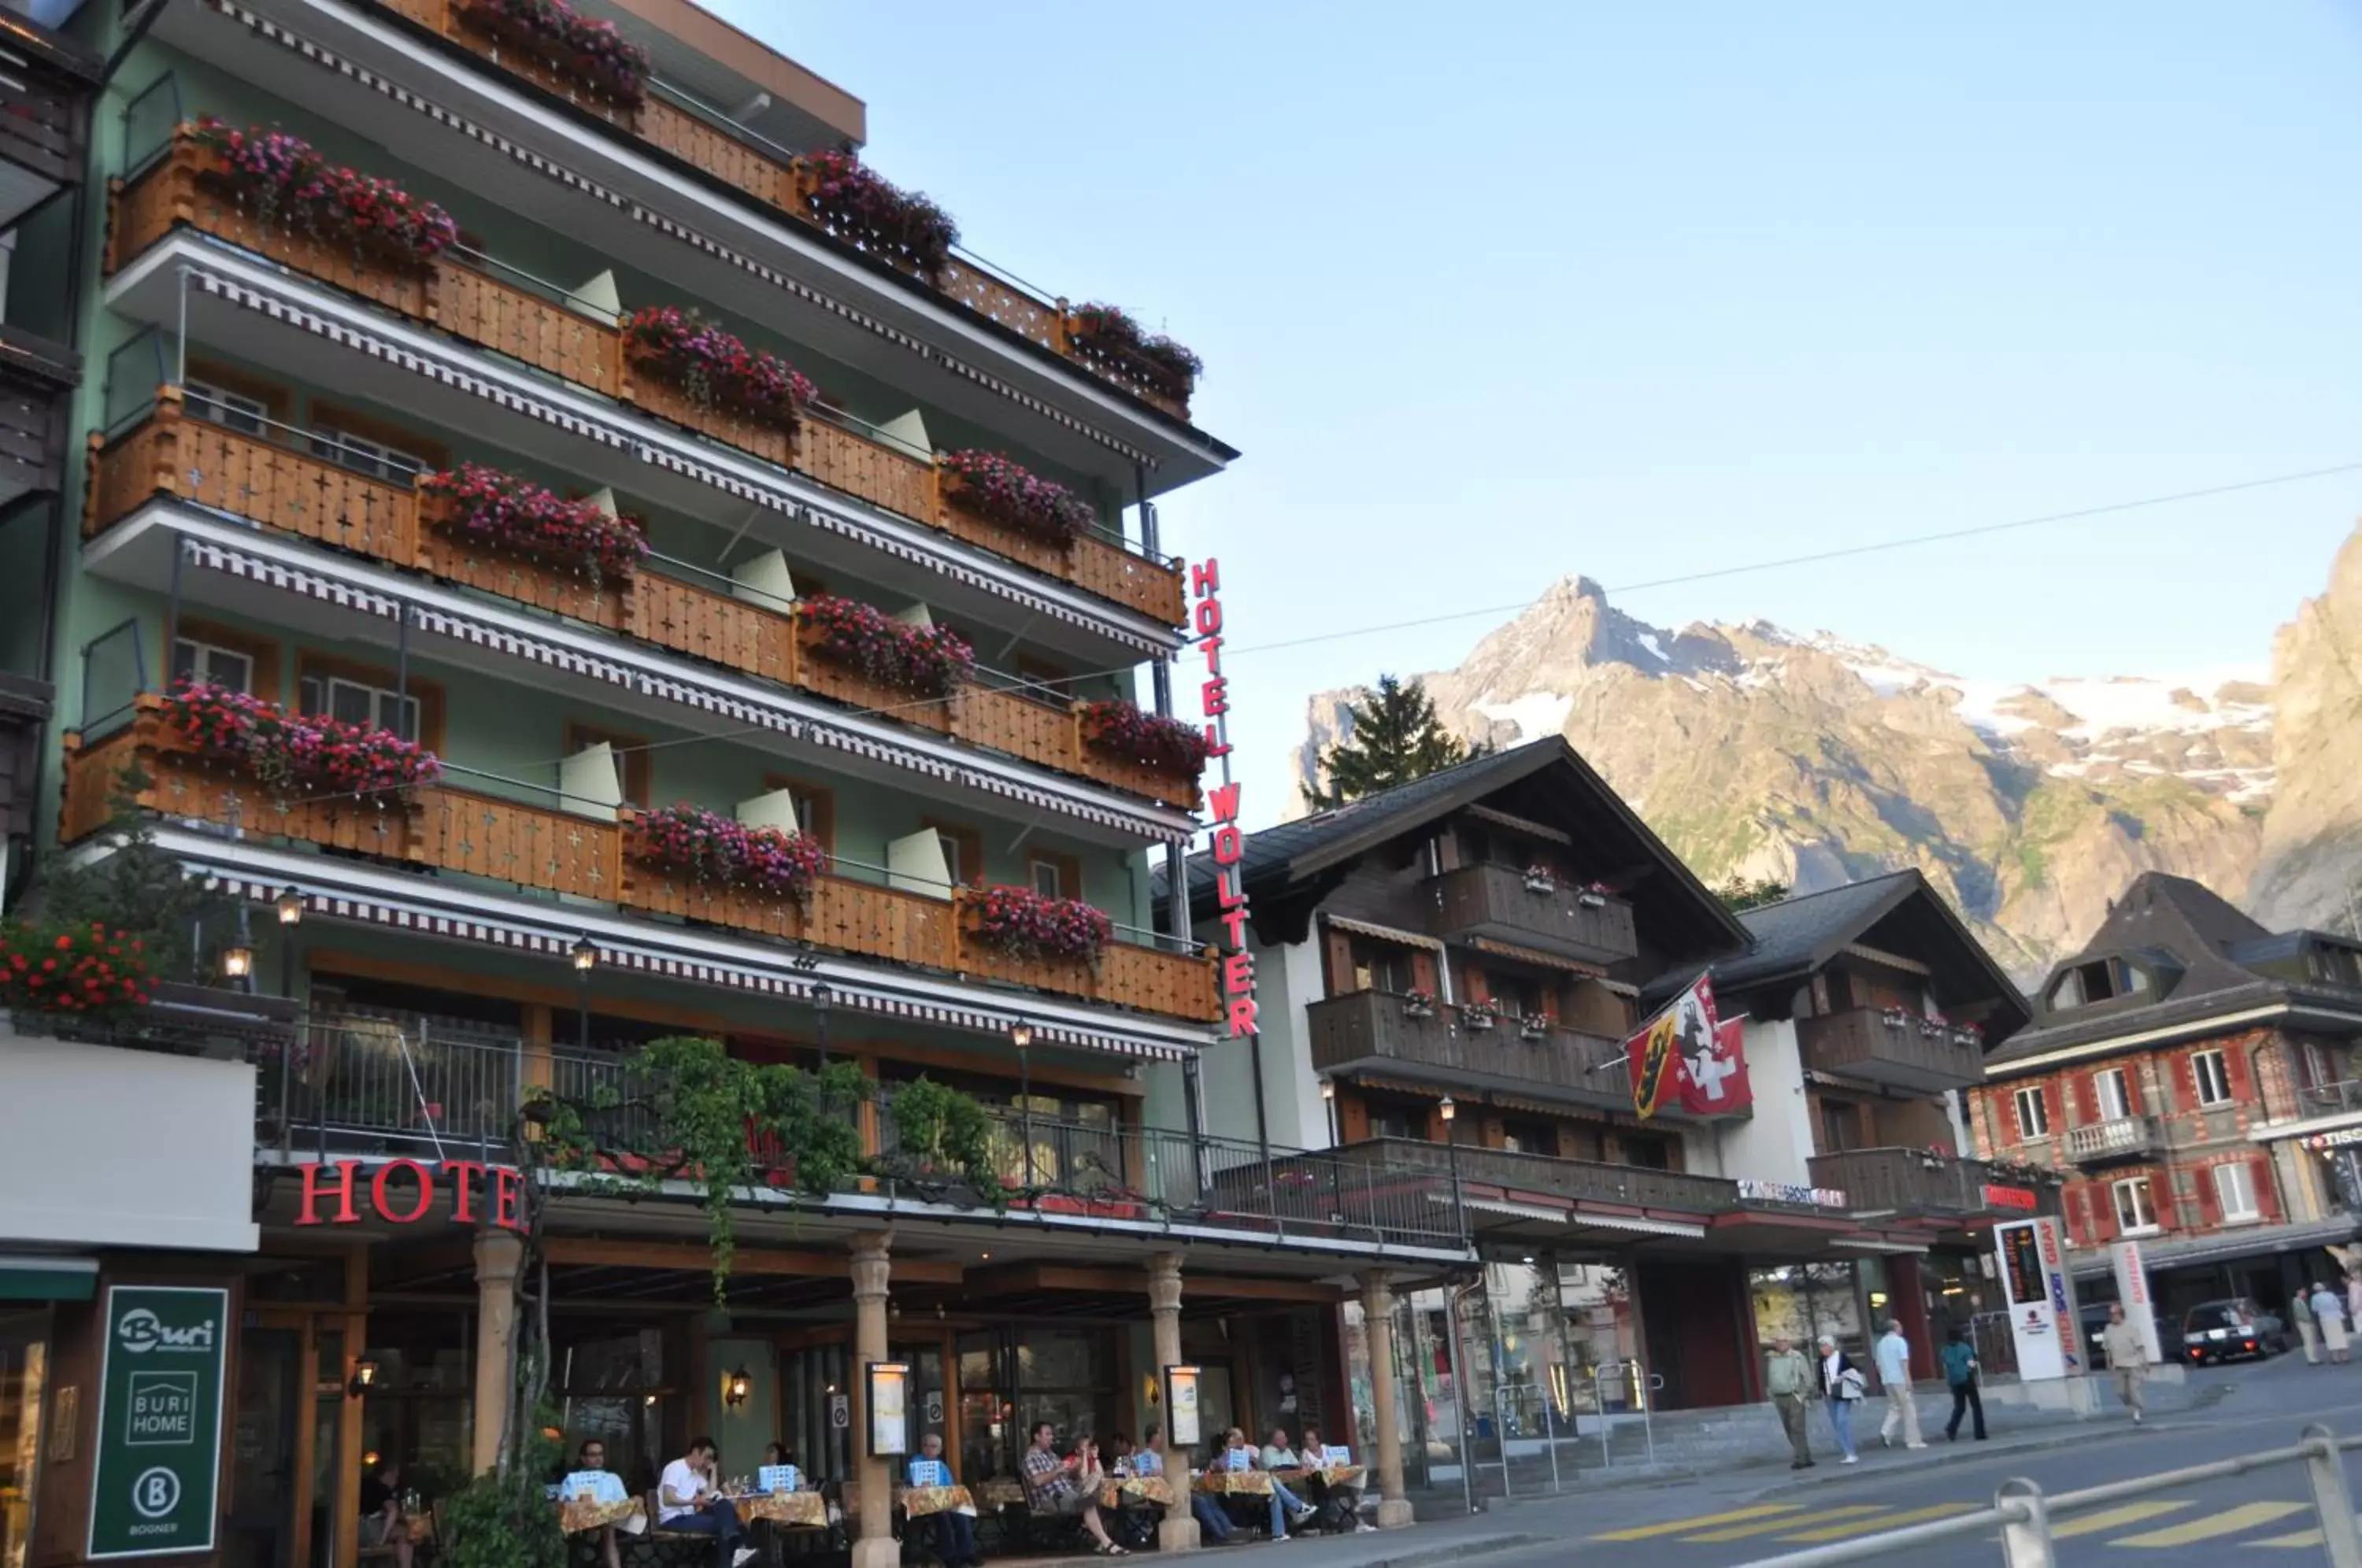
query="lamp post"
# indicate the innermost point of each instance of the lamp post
(820, 1000)
(237, 958)
(1021, 1035)
(586, 958)
(1451, 1114)
(1329, 1104)
(291, 915)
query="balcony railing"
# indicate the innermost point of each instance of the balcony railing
(268, 478)
(779, 180)
(539, 847)
(2115, 1138)
(1894, 1048)
(1915, 1181)
(469, 300)
(2330, 1100)
(46, 86)
(1437, 1044)
(1501, 903)
(1580, 1181)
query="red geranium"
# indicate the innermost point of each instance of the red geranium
(861, 207)
(1028, 925)
(1006, 492)
(85, 972)
(518, 515)
(708, 847)
(288, 751)
(294, 186)
(715, 368)
(1127, 730)
(1109, 334)
(927, 660)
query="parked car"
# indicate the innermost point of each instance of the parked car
(2218, 1330)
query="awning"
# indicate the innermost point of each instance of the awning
(2257, 1242)
(1870, 1244)
(1536, 956)
(1382, 932)
(48, 1279)
(1645, 1227)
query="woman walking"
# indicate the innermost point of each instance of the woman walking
(1960, 1372)
(2307, 1330)
(2329, 1310)
(1845, 1385)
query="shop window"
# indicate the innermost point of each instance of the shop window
(1800, 1302)
(2134, 1212)
(2033, 1113)
(2213, 1073)
(2234, 1191)
(24, 1388)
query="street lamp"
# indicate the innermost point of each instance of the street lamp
(291, 915)
(238, 962)
(586, 958)
(1021, 1035)
(1329, 1103)
(1451, 1114)
(820, 998)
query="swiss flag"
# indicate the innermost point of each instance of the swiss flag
(1715, 1082)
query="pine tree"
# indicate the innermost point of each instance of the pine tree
(1740, 893)
(1392, 737)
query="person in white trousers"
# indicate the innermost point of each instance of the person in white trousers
(1893, 1356)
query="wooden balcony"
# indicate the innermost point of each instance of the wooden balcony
(281, 487)
(443, 828)
(1913, 1181)
(2115, 1139)
(781, 182)
(1494, 902)
(37, 382)
(1577, 1181)
(1376, 1029)
(469, 303)
(1893, 1050)
(45, 92)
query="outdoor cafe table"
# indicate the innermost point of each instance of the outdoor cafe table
(1327, 1474)
(1000, 1492)
(1135, 1490)
(800, 1510)
(576, 1515)
(1235, 1484)
(919, 1502)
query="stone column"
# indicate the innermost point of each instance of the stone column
(1378, 1328)
(1179, 1530)
(876, 1548)
(498, 1253)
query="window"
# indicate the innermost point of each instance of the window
(1649, 1153)
(1045, 880)
(2114, 1094)
(2214, 1076)
(194, 661)
(633, 761)
(2100, 979)
(2234, 1191)
(357, 702)
(364, 456)
(2134, 1211)
(1527, 1136)
(1380, 967)
(2033, 1114)
(1840, 1127)
(216, 405)
(963, 851)
(1054, 875)
(1396, 1121)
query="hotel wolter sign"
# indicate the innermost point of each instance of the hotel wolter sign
(1229, 844)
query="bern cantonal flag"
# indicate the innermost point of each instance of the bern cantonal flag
(1658, 1063)
(1686, 1056)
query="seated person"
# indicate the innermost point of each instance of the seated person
(381, 1520)
(1285, 1505)
(955, 1531)
(591, 1474)
(1149, 1459)
(778, 1456)
(687, 1500)
(1055, 1487)
(1342, 1502)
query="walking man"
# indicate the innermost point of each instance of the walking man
(1788, 1378)
(2329, 1310)
(1893, 1356)
(1961, 1371)
(2128, 1358)
(2300, 1309)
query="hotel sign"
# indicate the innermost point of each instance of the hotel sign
(403, 1192)
(1229, 843)
(2010, 1197)
(154, 1489)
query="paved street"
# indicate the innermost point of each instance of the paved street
(1721, 1521)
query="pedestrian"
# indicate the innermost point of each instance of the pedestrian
(2301, 1308)
(2128, 1358)
(1843, 1384)
(1961, 1367)
(2353, 1297)
(1893, 1357)
(2329, 1310)
(1789, 1381)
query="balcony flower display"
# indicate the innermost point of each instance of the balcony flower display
(71, 968)
(717, 851)
(715, 368)
(927, 659)
(1109, 330)
(1480, 1014)
(290, 753)
(293, 185)
(1011, 495)
(1592, 895)
(1896, 1017)
(1128, 730)
(1540, 878)
(590, 51)
(1027, 924)
(856, 204)
(502, 509)
(1533, 1026)
(1417, 1003)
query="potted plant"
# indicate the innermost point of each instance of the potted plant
(286, 752)
(926, 659)
(1933, 1156)
(861, 207)
(584, 48)
(1108, 334)
(1417, 1003)
(708, 848)
(1127, 730)
(1027, 924)
(1540, 878)
(1533, 1026)
(1003, 492)
(1480, 1015)
(713, 368)
(507, 512)
(1592, 895)
(294, 187)
(1894, 1017)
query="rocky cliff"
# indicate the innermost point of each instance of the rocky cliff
(2311, 860)
(1810, 760)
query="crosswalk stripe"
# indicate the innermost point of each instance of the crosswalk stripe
(1857, 1526)
(1760, 1510)
(1761, 1527)
(2230, 1522)
(2109, 1519)
(2301, 1539)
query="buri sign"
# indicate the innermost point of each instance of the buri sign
(154, 1489)
(405, 1192)
(1229, 843)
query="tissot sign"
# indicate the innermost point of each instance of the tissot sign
(405, 1192)
(154, 1489)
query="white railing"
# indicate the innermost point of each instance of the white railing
(2021, 1513)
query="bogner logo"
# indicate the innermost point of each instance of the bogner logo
(142, 1330)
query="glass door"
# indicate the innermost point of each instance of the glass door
(272, 1412)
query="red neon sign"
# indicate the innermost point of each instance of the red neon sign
(1229, 843)
(402, 1192)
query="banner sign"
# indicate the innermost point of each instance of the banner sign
(2131, 1289)
(154, 1489)
(1687, 1056)
(1229, 843)
(402, 1192)
(1790, 1192)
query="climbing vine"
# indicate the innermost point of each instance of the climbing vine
(940, 1132)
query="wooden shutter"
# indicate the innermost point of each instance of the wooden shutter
(2268, 1192)
(2210, 1208)
(2162, 1203)
(2087, 1095)
(2238, 1072)
(2103, 1211)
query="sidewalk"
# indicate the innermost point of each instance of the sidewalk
(1423, 1545)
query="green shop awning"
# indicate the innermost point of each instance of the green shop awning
(48, 1279)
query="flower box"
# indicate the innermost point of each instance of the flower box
(290, 186)
(1419, 1004)
(1480, 1015)
(1533, 1028)
(1007, 494)
(1109, 335)
(575, 48)
(1540, 880)
(1127, 730)
(289, 754)
(713, 368)
(929, 661)
(1591, 901)
(709, 849)
(1023, 923)
(873, 215)
(503, 511)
